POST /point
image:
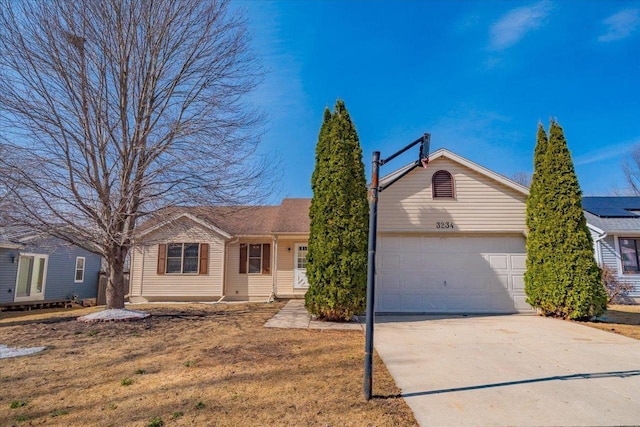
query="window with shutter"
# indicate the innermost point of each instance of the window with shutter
(442, 185)
(255, 258)
(183, 258)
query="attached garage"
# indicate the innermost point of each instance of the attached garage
(451, 239)
(452, 274)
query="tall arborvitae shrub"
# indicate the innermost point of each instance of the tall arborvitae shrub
(562, 277)
(337, 257)
(536, 220)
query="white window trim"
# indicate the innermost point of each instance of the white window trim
(181, 272)
(44, 278)
(621, 274)
(75, 271)
(259, 272)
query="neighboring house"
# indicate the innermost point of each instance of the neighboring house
(240, 253)
(451, 239)
(37, 268)
(614, 223)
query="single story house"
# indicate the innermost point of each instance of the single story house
(451, 238)
(614, 223)
(235, 253)
(36, 268)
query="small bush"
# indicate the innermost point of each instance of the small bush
(155, 422)
(17, 404)
(21, 418)
(92, 333)
(126, 381)
(58, 412)
(177, 414)
(140, 372)
(617, 291)
(200, 405)
(189, 363)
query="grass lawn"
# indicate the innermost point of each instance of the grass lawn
(189, 365)
(621, 319)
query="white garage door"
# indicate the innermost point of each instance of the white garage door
(470, 274)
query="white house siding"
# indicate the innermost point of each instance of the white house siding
(148, 285)
(611, 258)
(246, 287)
(481, 204)
(284, 274)
(461, 254)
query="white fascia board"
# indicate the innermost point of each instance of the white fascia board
(9, 245)
(443, 152)
(193, 218)
(596, 229)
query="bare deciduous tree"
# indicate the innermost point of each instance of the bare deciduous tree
(522, 178)
(114, 109)
(631, 169)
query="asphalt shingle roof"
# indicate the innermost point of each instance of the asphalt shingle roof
(292, 216)
(613, 213)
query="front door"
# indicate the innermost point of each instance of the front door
(300, 266)
(32, 277)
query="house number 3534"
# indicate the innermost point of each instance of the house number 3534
(444, 224)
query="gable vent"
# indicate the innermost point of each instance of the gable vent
(442, 184)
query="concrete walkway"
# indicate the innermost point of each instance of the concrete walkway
(510, 371)
(295, 316)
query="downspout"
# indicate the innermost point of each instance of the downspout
(142, 247)
(224, 267)
(274, 273)
(596, 243)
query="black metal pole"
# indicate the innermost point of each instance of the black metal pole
(371, 278)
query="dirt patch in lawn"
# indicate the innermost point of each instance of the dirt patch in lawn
(621, 319)
(189, 365)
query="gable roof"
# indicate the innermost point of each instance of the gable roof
(613, 214)
(444, 153)
(13, 237)
(292, 216)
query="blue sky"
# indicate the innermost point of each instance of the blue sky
(477, 75)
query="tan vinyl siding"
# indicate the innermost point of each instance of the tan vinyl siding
(148, 284)
(246, 287)
(480, 204)
(286, 252)
(135, 276)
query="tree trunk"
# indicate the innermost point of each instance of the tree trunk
(115, 279)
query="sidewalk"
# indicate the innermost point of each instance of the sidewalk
(295, 316)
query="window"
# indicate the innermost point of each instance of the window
(255, 258)
(442, 185)
(630, 255)
(79, 277)
(183, 258)
(301, 257)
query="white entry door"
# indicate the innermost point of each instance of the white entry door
(32, 277)
(300, 266)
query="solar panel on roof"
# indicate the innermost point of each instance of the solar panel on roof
(612, 207)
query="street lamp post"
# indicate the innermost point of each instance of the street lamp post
(423, 159)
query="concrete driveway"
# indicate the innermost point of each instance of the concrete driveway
(519, 370)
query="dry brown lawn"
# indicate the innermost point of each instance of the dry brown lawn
(621, 319)
(189, 365)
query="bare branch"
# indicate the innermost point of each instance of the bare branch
(631, 170)
(116, 109)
